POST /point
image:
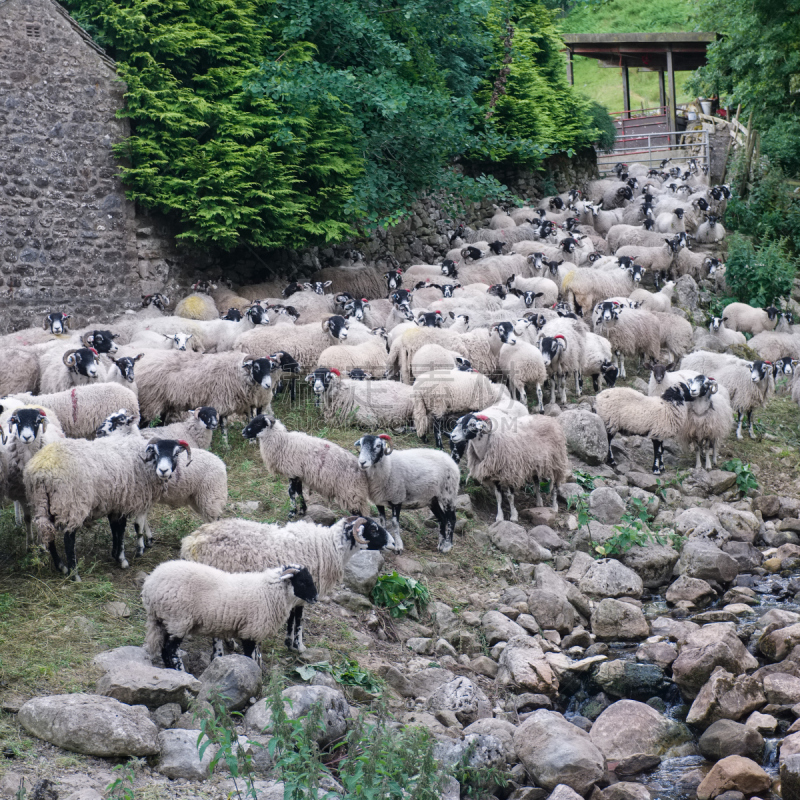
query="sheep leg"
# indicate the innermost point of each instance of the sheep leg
(621, 364)
(144, 535)
(563, 380)
(610, 457)
(552, 390)
(523, 396)
(512, 509)
(217, 648)
(739, 424)
(658, 457)
(169, 653)
(709, 447)
(57, 562)
(117, 523)
(697, 460)
(382, 515)
(554, 495)
(26, 519)
(715, 452)
(250, 650)
(295, 491)
(294, 630)
(578, 384)
(437, 431)
(596, 383)
(18, 513)
(499, 496)
(750, 423)
(540, 404)
(223, 424)
(446, 518)
(69, 551)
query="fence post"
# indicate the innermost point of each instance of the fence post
(745, 176)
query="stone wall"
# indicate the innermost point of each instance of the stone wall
(66, 229)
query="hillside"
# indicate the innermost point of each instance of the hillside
(625, 16)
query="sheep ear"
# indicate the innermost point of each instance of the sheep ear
(327, 284)
(452, 315)
(358, 443)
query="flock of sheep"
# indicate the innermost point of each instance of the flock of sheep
(544, 296)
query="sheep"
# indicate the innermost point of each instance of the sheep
(501, 220)
(750, 384)
(287, 366)
(685, 262)
(587, 287)
(73, 481)
(631, 331)
(661, 379)
(658, 301)
(81, 409)
(233, 383)
(323, 466)
(562, 353)
(402, 477)
(504, 235)
(772, 346)
(121, 372)
(439, 393)
(671, 222)
(602, 220)
(630, 412)
(504, 415)
(597, 361)
(633, 235)
(718, 337)
(521, 364)
(610, 194)
(19, 371)
(506, 458)
(709, 422)
(238, 545)
(657, 259)
(60, 370)
(710, 231)
(304, 342)
(151, 340)
(183, 597)
(197, 429)
(370, 355)
(373, 404)
(542, 288)
(55, 325)
(745, 318)
(675, 334)
(197, 306)
(435, 357)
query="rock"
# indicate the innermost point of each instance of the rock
(581, 563)
(167, 715)
(484, 665)
(547, 537)
(746, 555)
(513, 539)
(552, 612)
(117, 609)
(420, 645)
(502, 731)
(676, 630)
(320, 515)
(352, 601)
(725, 696)
(622, 678)
(687, 293)
(90, 724)
(554, 752)
(140, 684)
(790, 746)
(237, 679)
(636, 764)
(562, 792)
(546, 579)
(86, 793)
(543, 515)
(610, 578)
(121, 655)
(737, 773)
(421, 684)
(703, 559)
(715, 645)
(615, 620)
(298, 701)
(741, 525)
(362, 570)
(653, 563)
(586, 435)
(606, 506)
(180, 758)
(626, 791)
(782, 689)
(700, 522)
(463, 698)
(790, 778)
(497, 627)
(694, 591)
(767, 504)
(662, 654)
(523, 667)
(702, 483)
(777, 644)
(728, 738)
(628, 727)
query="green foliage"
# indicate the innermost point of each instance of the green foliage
(122, 787)
(628, 16)
(400, 594)
(629, 534)
(662, 484)
(580, 504)
(603, 122)
(745, 479)
(584, 479)
(347, 673)
(759, 276)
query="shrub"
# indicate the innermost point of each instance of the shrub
(400, 594)
(759, 276)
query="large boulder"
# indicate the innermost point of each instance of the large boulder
(712, 646)
(235, 679)
(623, 678)
(690, 592)
(523, 668)
(728, 738)
(616, 620)
(552, 611)
(700, 522)
(501, 729)
(703, 559)
(298, 702)
(139, 684)
(734, 773)
(91, 724)
(628, 727)
(610, 578)
(513, 539)
(362, 570)
(554, 751)
(653, 563)
(498, 627)
(782, 689)
(421, 684)
(547, 579)
(180, 756)
(743, 526)
(725, 696)
(586, 435)
(777, 644)
(463, 698)
(790, 778)
(606, 506)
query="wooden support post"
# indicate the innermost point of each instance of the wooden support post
(745, 176)
(673, 109)
(626, 93)
(570, 74)
(662, 95)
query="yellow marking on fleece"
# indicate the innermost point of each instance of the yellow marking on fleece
(194, 306)
(567, 282)
(51, 458)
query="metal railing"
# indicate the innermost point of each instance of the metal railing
(652, 148)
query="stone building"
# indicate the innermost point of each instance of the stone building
(67, 233)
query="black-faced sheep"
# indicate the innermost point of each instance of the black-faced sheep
(745, 318)
(587, 287)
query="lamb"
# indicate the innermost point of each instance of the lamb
(370, 355)
(182, 598)
(719, 336)
(437, 394)
(675, 335)
(532, 450)
(521, 364)
(658, 301)
(773, 346)
(73, 481)
(750, 384)
(597, 361)
(197, 306)
(742, 317)
(372, 404)
(632, 331)
(81, 409)
(238, 545)
(323, 466)
(233, 383)
(671, 222)
(417, 476)
(710, 231)
(630, 412)
(586, 287)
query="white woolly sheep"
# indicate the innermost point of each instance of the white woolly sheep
(183, 597)
(534, 449)
(197, 306)
(323, 466)
(19, 371)
(432, 357)
(718, 337)
(745, 318)
(623, 235)
(521, 365)
(632, 332)
(671, 222)
(597, 361)
(417, 477)
(55, 328)
(370, 355)
(197, 429)
(709, 423)
(630, 412)
(602, 220)
(772, 346)
(675, 334)
(587, 287)
(545, 291)
(657, 259)
(710, 231)
(61, 370)
(658, 301)
(238, 545)
(503, 416)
